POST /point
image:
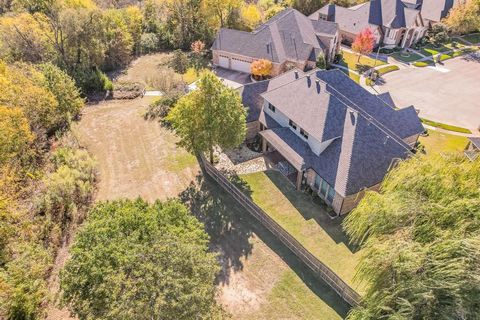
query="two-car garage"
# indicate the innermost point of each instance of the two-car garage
(236, 64)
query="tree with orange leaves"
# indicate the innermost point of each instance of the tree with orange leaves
(261, 68)
(364, 42)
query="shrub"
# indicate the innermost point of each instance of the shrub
(92, 80)
(321, 62)
(160, 108)
(149, 43)
(70, 187)
(23, 283)
(166, 80)
(128, 90)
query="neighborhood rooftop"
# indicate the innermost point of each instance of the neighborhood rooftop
(362, 134)
(287, 36)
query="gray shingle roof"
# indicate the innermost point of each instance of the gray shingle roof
(388, 13)
(324, 104)
(360, 159)
(289, 35)
(370, 131)
(436, 10)
(251, 93)
(475, 141)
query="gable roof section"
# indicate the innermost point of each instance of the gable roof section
(370, 131)
(289, 35)
(475, 141)
(388, 13)
(317, 102)
(436, 10)
(358, 160)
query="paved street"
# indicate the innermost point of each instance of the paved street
(448, 94)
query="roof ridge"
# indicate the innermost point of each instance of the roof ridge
(372, 119)
(383, 128)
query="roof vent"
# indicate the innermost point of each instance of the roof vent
(309, 81)
(386, 139)
(296, 74)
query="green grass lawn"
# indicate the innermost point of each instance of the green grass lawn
(473, 38)
(350, 60)
(430, 50)
(406, 57)
(445, 126)
(425, 63)
(387, 69)
(437, 142)
(306, 221)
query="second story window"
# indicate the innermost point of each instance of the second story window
(271, 107)
(292, 124)
(304, 133)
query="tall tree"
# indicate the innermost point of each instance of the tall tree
(421, 241)
(222, 11)
(364, 42)
(132, 260)
(464, 17)
(212, 115)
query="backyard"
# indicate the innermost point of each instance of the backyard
(260, 279)
(306, 220)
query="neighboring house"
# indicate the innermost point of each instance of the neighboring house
(288, 39)
(395, 23)
(473, 148)
(334, 136)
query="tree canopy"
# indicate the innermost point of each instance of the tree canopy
(364, 42)
(210, 116)
(421, 240)
(132, 260)
(464, 17)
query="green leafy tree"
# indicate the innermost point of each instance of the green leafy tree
(464, 17)
(118, 40)
(421, 241)
(212, 115)
(63, 88)
(132, 260)
(321, 62)
(179, 61)
(437, 35)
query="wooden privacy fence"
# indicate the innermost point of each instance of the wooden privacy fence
(320, 270)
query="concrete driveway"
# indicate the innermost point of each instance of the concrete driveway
(233, 78)
(448, 94)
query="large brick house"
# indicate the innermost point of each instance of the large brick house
(395, 23)
(289, 39)
(333, 135)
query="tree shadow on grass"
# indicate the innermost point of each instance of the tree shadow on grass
(230, 227)
(223, 223)
(306, 206)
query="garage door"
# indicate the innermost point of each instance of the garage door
(240, 65)
(223, 62)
